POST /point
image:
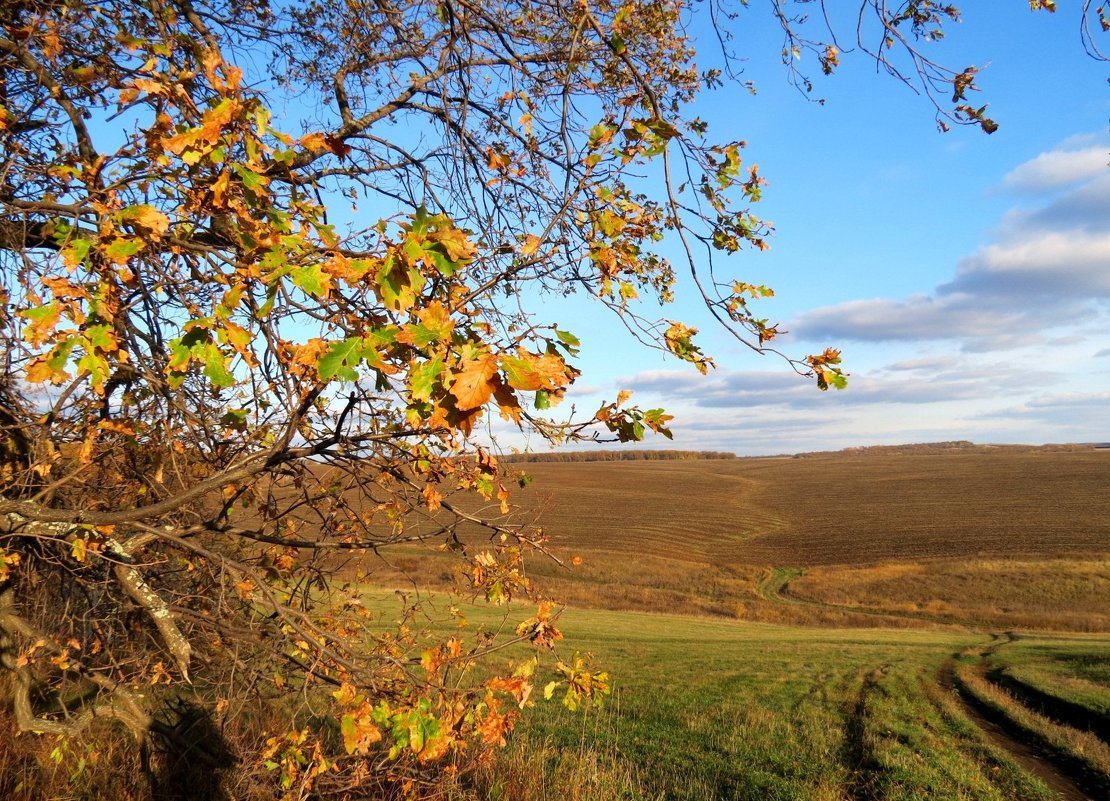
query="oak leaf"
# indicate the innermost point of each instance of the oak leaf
(473, 383)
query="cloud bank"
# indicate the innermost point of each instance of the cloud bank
(1044, 269)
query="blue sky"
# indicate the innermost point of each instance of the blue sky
(966, 277)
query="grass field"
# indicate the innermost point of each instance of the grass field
(713, 709)
(902, 625)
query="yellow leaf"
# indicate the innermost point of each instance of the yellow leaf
(496, 161)
(455, 244)
(148, 217)
(531, 245)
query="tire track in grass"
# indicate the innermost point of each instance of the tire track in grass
(1058, 710)
(857, 752)
(1029, 756)
(775, 588)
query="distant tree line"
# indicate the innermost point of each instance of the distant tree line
(617, 456)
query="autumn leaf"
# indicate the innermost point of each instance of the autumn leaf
(507, 404)
(314, 142)
(43, 320)
(472, 384)
(449, 250)
(529, 371)
(432, 498)
(434, 324)
(531, 245)
(146, 218)
(312, 279)
(398, 284)
(496, 161)
(195, 143)
(359, 733)
(52, 366)
(120, 250)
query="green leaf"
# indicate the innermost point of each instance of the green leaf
(543, 399)
(235, 419)
(251, 179)
(341, 359)
(97, 368)
(567, 338)
(60, 355)
(423, 378)
(100, 336)
(215, 366)
(398, 285)
(40, 312)
(442, 263)
(313, 280)
(76, 251)
(570, 342)
(271, 295)
(122, 249)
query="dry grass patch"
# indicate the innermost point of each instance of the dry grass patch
(1059, 594)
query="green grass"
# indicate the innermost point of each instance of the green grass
(1074, 670)
(712, 709)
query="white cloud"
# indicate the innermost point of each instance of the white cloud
(1057, 168)
(1055, 261)
(1072, 400)
(928, 363)
(932, 381)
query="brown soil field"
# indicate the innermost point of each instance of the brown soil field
(1015, 537)
(993, 536)
(834, 509)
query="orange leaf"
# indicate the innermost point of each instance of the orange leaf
(148, 217)
(496, 161)
(316, 142)
(432, 497)
(473, 384)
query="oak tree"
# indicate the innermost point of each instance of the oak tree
(266, 270)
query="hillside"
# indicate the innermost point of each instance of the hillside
(1001, 536)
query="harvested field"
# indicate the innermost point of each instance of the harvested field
(837, 508)
(988, 536)
(1004, 537)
